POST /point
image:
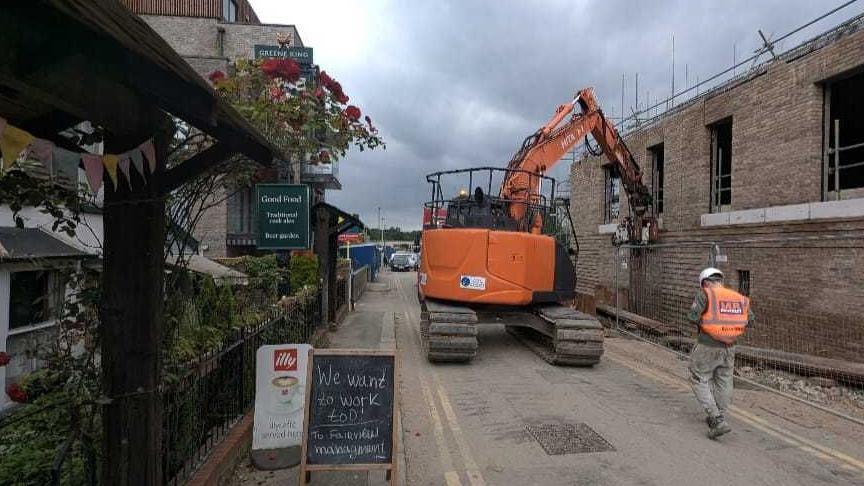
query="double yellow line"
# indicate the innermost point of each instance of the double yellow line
(451, 475)
(820, 451)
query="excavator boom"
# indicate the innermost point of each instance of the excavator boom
(544, 148)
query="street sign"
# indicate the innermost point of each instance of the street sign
(350, 238)
(283, 216)
(302, 55)
(280, 395)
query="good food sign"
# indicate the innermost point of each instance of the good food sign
(283, 216)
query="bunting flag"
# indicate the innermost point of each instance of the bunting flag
(138, 161)
(66, 167)
(43, 151)
(110, 161)
(13, 141)
(61, 165)
(93, 168)
(150, 153)
(124, 168)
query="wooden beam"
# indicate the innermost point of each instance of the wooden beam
(132, 318)
(194, 167)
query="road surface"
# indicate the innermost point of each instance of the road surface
(468, 424)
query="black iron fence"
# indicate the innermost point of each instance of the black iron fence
(47, 440)
(201, 406)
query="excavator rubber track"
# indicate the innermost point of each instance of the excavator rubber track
(449, 332)
(562, 336)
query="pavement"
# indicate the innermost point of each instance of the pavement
(472, 424)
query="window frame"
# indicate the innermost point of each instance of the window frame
(717, 189)
(658, 176)
(611, 195)
(230, 7)
(52, 299)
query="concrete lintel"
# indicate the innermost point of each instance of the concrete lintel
(747, 216)
(715, 219)
(849, 208)
(607, 228)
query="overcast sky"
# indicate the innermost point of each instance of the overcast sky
(459, 83)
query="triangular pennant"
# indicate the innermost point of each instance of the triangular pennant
(124, 168)
(149, 153)
(43, 151)
(111, 161)
(94, 169)
(66, 167)
(13, 140)
(137, 160)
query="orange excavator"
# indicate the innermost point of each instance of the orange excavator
(494, 258)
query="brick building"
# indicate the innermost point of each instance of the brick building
(747, 172)
(210, 34)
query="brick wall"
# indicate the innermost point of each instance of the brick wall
(197, 40)
(807, 295)
(198, 37)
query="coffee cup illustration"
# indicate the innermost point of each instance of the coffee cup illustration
(284, 391)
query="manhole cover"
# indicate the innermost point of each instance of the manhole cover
(558, 439)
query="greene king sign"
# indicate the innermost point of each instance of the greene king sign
(301, 55)
(283, 216)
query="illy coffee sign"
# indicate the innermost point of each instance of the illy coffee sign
(280, 397)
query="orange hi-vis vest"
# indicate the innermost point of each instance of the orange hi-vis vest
(726, 314)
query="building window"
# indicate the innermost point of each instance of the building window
(721, 166)
(30, 299)
(229, 10)
(744, 282)
(844, 130)
(612, 200)
(656, 154)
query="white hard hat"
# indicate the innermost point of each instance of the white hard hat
(708, 272)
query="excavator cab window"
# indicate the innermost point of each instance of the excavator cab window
(483, 209)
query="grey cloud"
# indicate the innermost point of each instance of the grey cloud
(460, 83)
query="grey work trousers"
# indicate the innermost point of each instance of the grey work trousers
(711, 371)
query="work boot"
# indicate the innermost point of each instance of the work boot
(717, 426)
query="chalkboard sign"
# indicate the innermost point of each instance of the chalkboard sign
(351, 411)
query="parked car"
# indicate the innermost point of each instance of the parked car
(403, 262)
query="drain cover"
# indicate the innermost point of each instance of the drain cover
(558, 439)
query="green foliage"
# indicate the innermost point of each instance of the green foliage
(307, 119)
(395, 233)
(62, 399)
(304, 272)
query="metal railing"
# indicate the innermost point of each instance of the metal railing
(201, 406)
(807, 337)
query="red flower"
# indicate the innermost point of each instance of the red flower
(318, 93)
(4, 358)
(352, 112)
(325, 79)
(216, 76)
(333, 86)
(323, 156)
(275, 92)
(285, 69)
(16, 393)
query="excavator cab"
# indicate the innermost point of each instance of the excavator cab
(504, 260)
(479, 207)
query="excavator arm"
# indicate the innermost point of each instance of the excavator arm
(544, 148)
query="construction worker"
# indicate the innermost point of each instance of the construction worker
(722, 316)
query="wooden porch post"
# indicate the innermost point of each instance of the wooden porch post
(132, 323)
